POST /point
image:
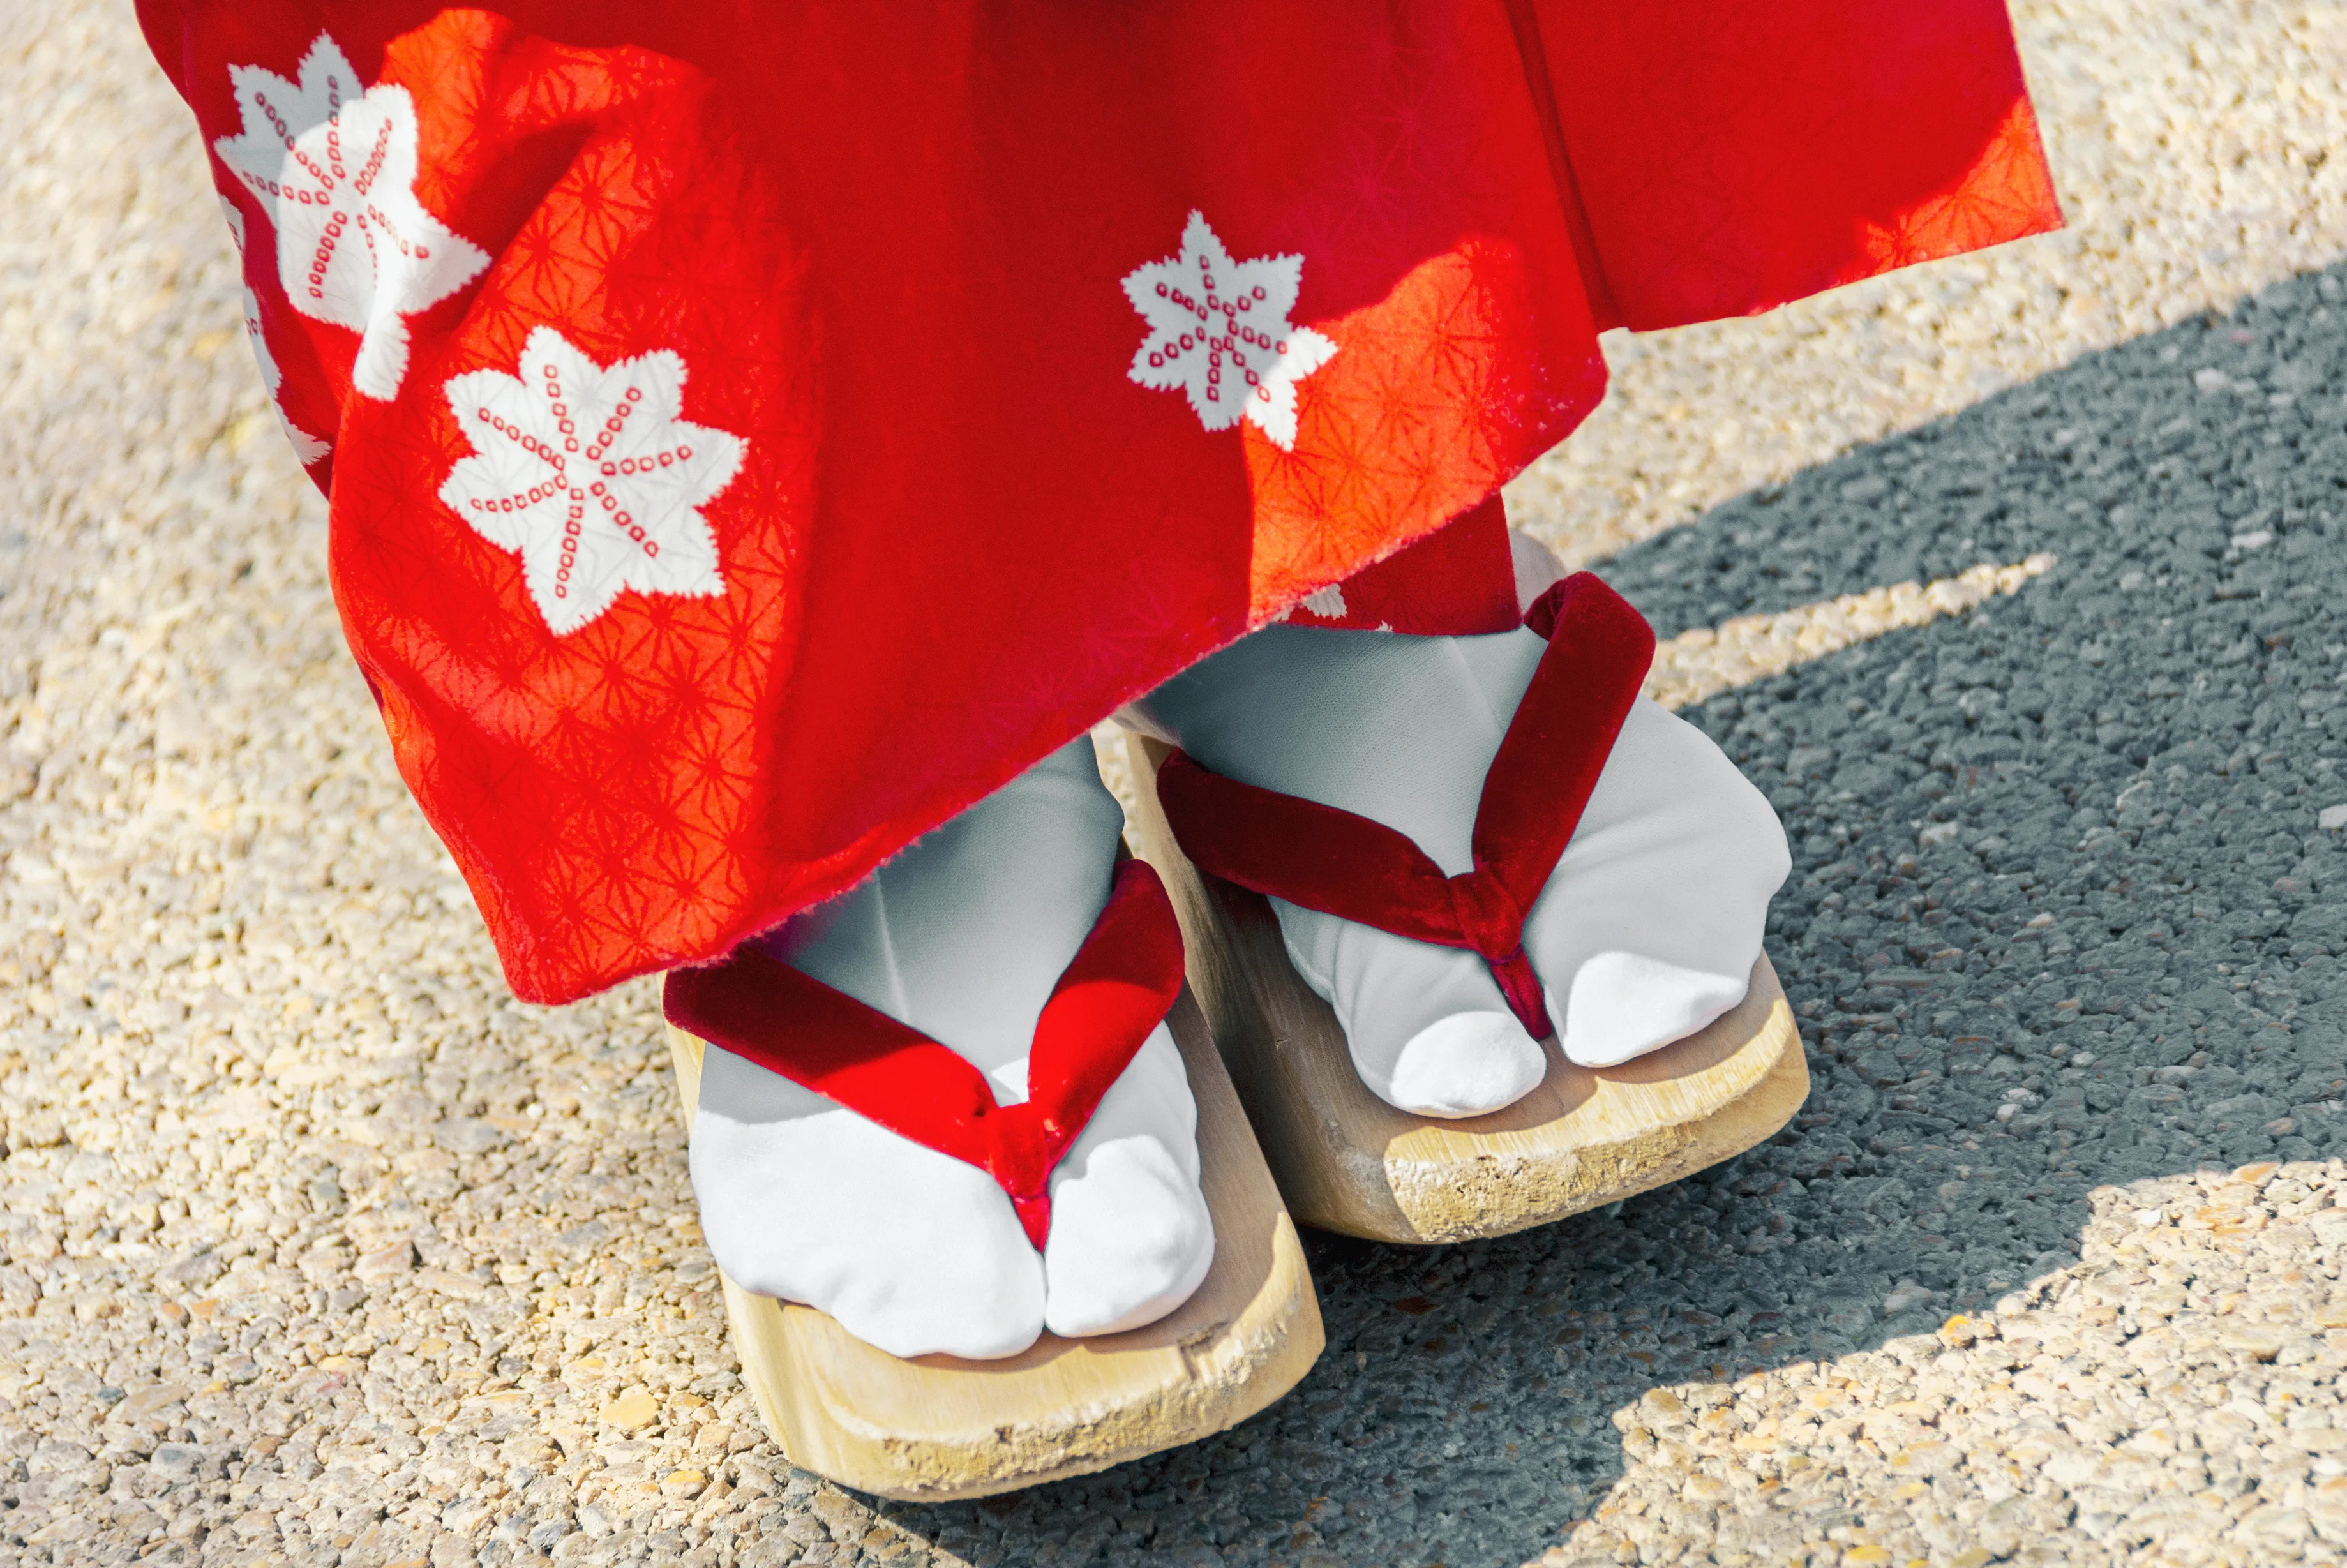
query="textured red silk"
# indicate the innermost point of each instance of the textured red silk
(895, 263)
(1332, 860)
(1114, 992)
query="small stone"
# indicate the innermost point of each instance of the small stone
(2257, 1344)
(149, 1401)
(1929, 1458)
(580, 1239)
(40, 1130)
(2332, 819)
(842, 1513)
(464, 1515)
(384, 1262)
(176, 1459)
(198, 1269)
(1906, 1293)
(61, 1532)
(2005, 1526)
(1938, 833)
(463, 1287)
(629, 1412)
(2146, 1219)
(683, 1483)
(464, 1135)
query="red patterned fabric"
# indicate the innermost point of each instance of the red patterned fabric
(1332, 860)
(756, 431)
(1114, 992)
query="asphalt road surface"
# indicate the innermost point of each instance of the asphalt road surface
(320, 1249)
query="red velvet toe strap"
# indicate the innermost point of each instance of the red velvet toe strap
(1116, 989)
(1599, 649)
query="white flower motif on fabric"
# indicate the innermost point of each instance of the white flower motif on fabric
(334, 165)
(307, 447)
(1218, 331)
(591, 474)
(1322, 604)
(1328, 603)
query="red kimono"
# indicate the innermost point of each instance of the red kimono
(757, 431)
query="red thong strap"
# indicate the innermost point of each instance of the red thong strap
(1599, 649)
(1117, 989)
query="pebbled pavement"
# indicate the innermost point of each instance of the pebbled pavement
(319, 1249)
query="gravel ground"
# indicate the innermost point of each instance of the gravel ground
(322, 1249)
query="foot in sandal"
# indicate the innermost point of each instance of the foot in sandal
(1645, 931)
(963, 936)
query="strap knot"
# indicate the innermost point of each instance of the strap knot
(1490, 919)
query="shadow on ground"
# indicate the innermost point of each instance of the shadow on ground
(2065, 846)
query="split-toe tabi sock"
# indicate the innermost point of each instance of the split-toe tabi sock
(962, 937)
(1647, 931)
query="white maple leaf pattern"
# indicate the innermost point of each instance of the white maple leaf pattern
(1218, 331)
(592, 475)
(1328, 603)
(307, 447)
(333, 165)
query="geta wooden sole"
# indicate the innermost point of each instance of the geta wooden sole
(938, 1428)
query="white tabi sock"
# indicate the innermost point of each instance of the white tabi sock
(1648, 930)
(962, 936)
